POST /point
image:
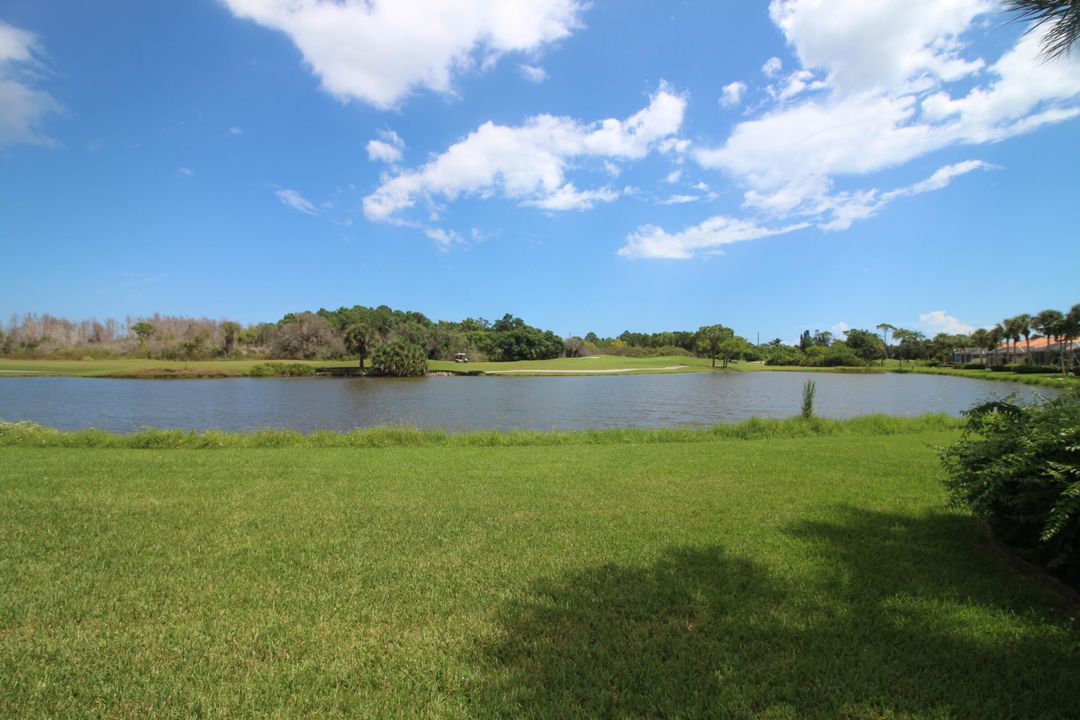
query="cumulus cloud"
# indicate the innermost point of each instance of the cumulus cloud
(529, 162)
(23, 108)
(532, 73)
(732, 94)
(879, 86)
(293, 199)
(387, 147)
(378, 51)
(884, 45)
(772, 67)
(939, 321)
(652, 242)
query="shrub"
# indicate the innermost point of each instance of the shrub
(399, 359)
(973, 366)
(1019, 467)
(280, 369)
(1033, 369)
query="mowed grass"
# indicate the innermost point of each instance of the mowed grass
(790, 577)
(584, 365)
(143, 368)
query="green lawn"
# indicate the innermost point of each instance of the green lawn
(129, 367)
(790, 577)
(583, 365)
(141, 368)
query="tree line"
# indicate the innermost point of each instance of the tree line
(356, 331)
(408, 339)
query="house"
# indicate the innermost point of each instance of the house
(1044, 351)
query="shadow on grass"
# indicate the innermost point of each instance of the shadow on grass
(900, 617)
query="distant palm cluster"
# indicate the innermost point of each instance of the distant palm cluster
(1048, 337)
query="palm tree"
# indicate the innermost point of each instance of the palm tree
(1023, 326)
(1012, 334)
(1070, 330)
(981, 339)
(1061, 16)
(996, 335)
(885, 329)
(1047, 323)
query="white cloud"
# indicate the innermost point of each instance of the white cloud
(845, 208)
(378, 51)
(236, 131)
(881, 45)
(652, 242)
(568, 197)
(443, 238)
(939, 321)
(941, 178)
(532, 73)
(528, 163)
(387, 148)
(886, 75)
(839, 329)
(680, 199)
(797, 83)
(185, 171)
(291, 198)
(674, 176)
(772, 67)
(732, 94)
(23, 108)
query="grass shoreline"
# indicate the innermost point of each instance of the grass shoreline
(27, 434)
(129, 368)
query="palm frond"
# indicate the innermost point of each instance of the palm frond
(1061, 16)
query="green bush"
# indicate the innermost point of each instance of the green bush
(280, 369)
(1019, 467)
(399, 359)
(1034, 369)
(973, 366)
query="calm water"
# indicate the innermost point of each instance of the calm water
(465, 403)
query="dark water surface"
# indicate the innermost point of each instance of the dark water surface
(469, 403)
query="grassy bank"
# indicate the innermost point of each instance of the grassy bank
(1045, 380)
(25, 434)
(602, 364)
(584, 366)
(143, 368)
(782, 577)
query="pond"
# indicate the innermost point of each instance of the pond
(473, 403)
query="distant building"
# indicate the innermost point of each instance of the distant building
(1044, 351)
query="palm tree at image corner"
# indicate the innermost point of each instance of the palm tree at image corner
(1060, 17)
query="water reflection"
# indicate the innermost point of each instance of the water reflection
(468, 403)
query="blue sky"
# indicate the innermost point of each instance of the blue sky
(634, 165)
